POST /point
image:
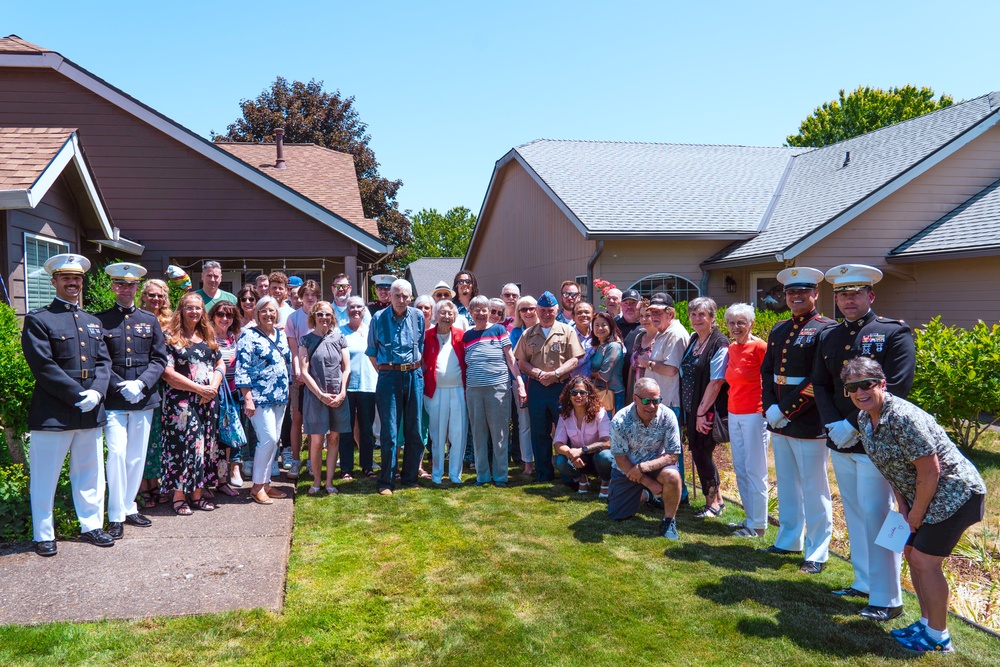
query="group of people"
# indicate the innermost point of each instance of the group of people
(553, 383)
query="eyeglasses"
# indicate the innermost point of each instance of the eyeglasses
(577, 392)
(323, 315)
(571, 295)
(150, 297)
(649, 401)
(526, 309)
(341, 288)
(442, 295)
(864, 385)
(463, 281)
(508, 295)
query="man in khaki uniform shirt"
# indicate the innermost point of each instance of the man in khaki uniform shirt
(546, 353)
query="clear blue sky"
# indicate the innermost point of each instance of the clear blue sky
(447, 88)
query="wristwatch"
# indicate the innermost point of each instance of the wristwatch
(585, 449)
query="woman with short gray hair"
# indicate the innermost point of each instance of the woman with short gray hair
(444, 391)
(489, 367)
(747, 427)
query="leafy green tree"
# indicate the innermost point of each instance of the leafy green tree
(864, 110)
(310, 115)
(16, 384)
(97, 294)
(440, 235)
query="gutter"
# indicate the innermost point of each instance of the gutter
(590, 269)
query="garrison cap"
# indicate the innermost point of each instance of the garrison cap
(547, 300)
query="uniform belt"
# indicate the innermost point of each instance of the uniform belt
(128, 363)
(784, 379)
(398, 367)
(83, 374)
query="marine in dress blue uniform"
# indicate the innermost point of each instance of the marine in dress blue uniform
(138, 356)
(64, 348)
(798, 439)
(866, 496)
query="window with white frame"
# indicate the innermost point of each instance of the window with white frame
(680, 289)
(38, 289)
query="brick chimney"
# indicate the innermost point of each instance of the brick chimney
(279, 142)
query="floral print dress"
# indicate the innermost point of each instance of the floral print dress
(190, 459)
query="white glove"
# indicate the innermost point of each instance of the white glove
(91, 399)
(844, 435)
(131, 390)
(775, 417)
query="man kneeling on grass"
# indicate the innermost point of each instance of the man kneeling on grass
(646, 443)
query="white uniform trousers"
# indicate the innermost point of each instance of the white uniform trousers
(748, 441)
(86, 476)
(266, 422)
(448, 422)
(127, 436)
(805, 509)
(523, 427)
(867, 500)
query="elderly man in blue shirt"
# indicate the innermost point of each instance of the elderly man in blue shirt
(395, 348)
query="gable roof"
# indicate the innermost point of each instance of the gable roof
(821, 193)
(15, 52)
(653, 190)
(31, 161)
(325, 176)
(970, 229)
(426, 272)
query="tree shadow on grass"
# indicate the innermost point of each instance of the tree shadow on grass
(806, 615)
(592, 528)
(738, 557)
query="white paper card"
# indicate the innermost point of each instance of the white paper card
(894, 533)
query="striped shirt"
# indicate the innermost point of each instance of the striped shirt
(486, 364)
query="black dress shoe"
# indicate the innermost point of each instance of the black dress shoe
(811, 567)
(881, 614)
(116, 529)
(98, 538)
(45, 548)
(851, 591)
(777, 550)
(138, 520)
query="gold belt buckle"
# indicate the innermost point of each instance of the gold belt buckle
(84, 374)
(781, 380)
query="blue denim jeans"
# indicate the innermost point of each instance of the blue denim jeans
(594, 464)
(543, 408)
(399, 396)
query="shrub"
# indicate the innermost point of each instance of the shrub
(97, 294)
(764, 320)
(956, 378)
(16, 383)
(15, 505)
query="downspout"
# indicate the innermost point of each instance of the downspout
(703, 285)
(590, 269)
(368, 268)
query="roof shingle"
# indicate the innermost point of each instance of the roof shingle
(973, 226)
(25, 152)
(14, 44)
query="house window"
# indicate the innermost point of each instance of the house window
(581, 282)
(766, 293)
(38, 289)
(681, 289)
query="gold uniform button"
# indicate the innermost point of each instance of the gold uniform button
(129, 326)
(847, 347)
(80, 328)
(76, 316)
(83, 344)
(126, 317)
(128, 338)
(84, 358)
(782, 369)
(128, 349)
(854, 333)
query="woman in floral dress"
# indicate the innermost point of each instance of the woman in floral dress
(190, 407)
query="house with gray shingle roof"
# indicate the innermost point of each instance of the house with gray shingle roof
(919, 200)
(427, 272)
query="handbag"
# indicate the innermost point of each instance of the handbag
(720, 428)
(231, 431)
(605, 395)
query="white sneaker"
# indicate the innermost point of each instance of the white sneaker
(275, 468)
(235, 478)
(293, 472)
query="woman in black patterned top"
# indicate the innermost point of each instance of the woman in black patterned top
(938, 491)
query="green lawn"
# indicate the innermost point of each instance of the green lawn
(529, 575)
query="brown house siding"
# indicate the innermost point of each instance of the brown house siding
(57, 217)
(523, 228)
(625, 262)
(159, 192)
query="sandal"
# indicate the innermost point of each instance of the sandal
(605, 490)
(227, 490)
(261, 498)
(275, 493)
(313, 490)
(370, 474)
(423, 474)
(202, 504)
(709, 511)
(583, 486)
(332, 490)
(181, 508)
(147, 500)
(208, 494)
(348, 476)
(745, 532)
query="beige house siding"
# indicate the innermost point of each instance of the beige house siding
(523, 228)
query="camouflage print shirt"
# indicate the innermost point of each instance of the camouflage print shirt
(906, 433)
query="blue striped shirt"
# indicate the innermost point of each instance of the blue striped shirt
(485, 360)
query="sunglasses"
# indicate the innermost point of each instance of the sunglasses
(322, 314)
(577, 392)
(496, 312)
(508, 295)
(341, 288)
(248, 299)
(150, 297)
(650, 401)
(526, 309)
(864, 385)
(463, 281)
(223, 316)
(571, 295)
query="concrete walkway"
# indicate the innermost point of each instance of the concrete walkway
(233, 558)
